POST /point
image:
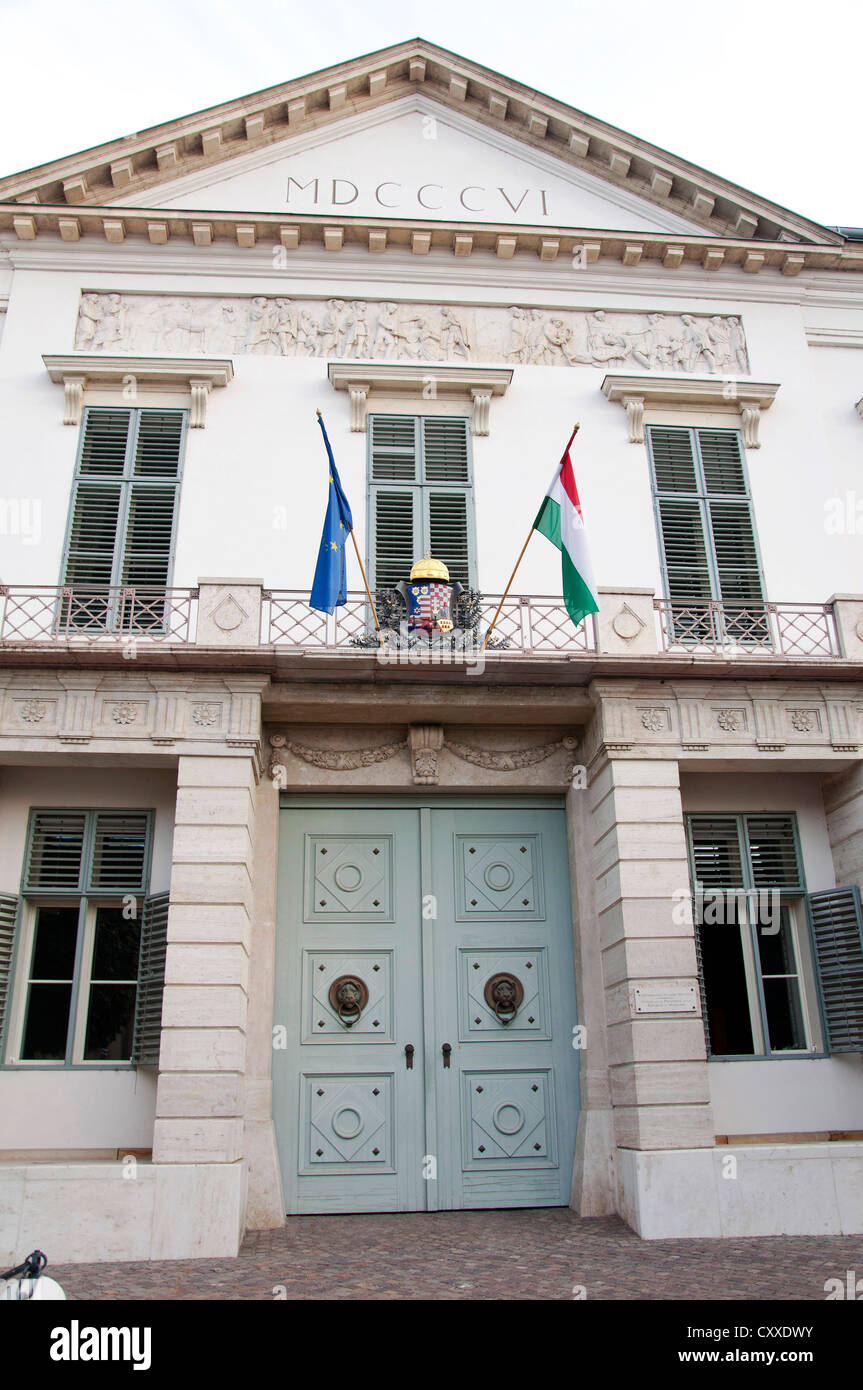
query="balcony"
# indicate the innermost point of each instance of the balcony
(632, 629)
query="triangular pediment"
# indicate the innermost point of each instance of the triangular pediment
(412, 159)
(240, 155)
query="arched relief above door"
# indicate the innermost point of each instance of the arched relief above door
(424, 756)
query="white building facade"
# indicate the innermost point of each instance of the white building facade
(295, 922)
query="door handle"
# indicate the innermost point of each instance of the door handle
(409, 1056)
(446, 1049)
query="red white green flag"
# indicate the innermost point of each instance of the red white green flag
(561, 521)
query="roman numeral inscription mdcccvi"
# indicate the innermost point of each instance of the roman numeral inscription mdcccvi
(424, 1007)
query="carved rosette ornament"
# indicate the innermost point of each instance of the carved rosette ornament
(731, 720)
(205, 715)
(653, 719)
(32, 711)
(124, 712)
(803, 720)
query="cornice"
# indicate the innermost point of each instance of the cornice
(193, 375)
(205, 140)
(581, 247)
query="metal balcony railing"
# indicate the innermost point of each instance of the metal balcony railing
(748, 629)
(528, 625)
(531, 626)
(38, 614)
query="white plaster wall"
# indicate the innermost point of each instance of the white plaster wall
(260, 458)
(50, 1110)
(736, 792)
(64, 1108)
(24, 787)
(798, 1095)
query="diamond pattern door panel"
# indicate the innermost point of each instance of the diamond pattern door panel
(322, 970)
(478, 1017)
(349, 877)
(507, 1118)
(499, 876)
(348, 1120)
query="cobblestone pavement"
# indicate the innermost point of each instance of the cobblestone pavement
(533, 1254)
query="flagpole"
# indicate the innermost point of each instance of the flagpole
(507, 589)
(362, 571)
(518, 562)
(368, 590)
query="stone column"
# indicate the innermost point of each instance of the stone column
(198, 1136)
(657, 1060)
(843, 804)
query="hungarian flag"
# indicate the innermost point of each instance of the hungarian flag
(560, 520)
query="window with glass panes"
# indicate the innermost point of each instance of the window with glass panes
(420, 496)
(706, 530)
(751, 936)
(84, 893)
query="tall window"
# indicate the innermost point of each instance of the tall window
(749, 892)
(86, 940)
(707, 533)
(124, 504)
(420, 496)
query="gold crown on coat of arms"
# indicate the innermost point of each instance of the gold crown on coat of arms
(427, 568)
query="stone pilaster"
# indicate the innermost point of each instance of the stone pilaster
(200, 1102)
(657, 1065)
(593, 1183)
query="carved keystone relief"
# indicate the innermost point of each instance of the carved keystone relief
(384, 330)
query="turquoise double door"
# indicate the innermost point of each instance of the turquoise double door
(424, 1010)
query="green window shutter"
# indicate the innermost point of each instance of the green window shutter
(151, 981)
(120, 852)
(55, 860)
(394, 535)
(687, 570)
(124, 503)
(773, 857)
(394, 453)
(704, 514)
(837, 934)
(716, 856)
(448, 533)
(446, 456)
(8, 917)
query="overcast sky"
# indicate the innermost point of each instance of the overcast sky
(759, 91)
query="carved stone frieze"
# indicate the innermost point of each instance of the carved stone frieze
(383, 330)
(333, 759)
(508, 760)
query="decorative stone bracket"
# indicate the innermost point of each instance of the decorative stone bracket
(426, 381)
(744, 398)
(192, 376)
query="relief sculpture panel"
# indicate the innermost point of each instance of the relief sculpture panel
(364, 330)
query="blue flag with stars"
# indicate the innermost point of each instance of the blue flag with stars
(330, 584)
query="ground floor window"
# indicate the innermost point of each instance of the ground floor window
(755, 958)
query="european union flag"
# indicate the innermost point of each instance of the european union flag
(330, 584)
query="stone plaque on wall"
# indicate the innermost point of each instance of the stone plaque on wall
(383, 330)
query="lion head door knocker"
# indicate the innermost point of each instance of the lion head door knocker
(348, 996)
(504, 994)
